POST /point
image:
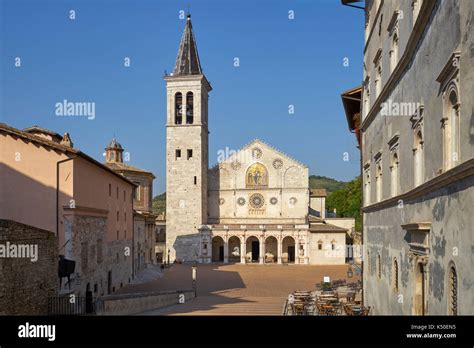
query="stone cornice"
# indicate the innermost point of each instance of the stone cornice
(459, 172)
(416, 35)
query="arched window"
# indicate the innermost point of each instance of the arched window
(378, 181)
(333, 245)
(451, 130)
(178, 108)
(320, 245)
(418, 157)
(395, 275)
(394, 175)
(367, 192)
(189, 108)
(453, 291)
(379, 267)
(394, 51)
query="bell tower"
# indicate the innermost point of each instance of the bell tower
(187, 159)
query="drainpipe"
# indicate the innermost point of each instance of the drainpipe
(57, 191)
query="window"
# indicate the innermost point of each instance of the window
(110, 190)
(333, 245)
(118, 235)
(379, 267)
(99, 251)
(394, 175)
(395, 275)
(178, 108)
(117, 192)
(189, 108)
(118, 217)
(178, 153)
(367, 192)
(378, 177)
(394, 51)
(124, 195)
(450, 125)
(320, 245)
(380, 24)
(136, 192)
(453, 291)
(418, 157)
(195, 180)
(378, 80)
(190, 153)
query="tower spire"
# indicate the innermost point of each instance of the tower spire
(187, 61)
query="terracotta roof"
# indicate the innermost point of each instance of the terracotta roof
(187, 61)
(120, 166)
(62, 148)
(37, 129)
(318, 193)
(325, 227)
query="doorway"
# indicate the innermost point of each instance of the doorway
(291, 253)
(255, 251)
(419, 300)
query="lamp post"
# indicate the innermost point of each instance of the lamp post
(194, 277)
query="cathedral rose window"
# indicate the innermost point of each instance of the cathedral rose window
(256, 152)
(241, 201)
(257, 201)
(277, 163)
(273, 200)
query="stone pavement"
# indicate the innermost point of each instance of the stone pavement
(235, 289)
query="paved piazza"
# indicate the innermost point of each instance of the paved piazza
(235, 289)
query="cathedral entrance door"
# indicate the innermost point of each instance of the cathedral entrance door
(221, 253)
(255, 251)
(291, 253)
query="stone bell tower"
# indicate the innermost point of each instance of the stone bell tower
(186, 151)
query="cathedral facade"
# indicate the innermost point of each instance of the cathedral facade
(253, 207)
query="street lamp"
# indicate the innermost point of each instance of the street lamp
(194, 277)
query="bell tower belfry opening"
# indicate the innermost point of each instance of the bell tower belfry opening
(187, 158)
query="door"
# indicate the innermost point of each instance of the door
(221, 253)
(291, 253)
(255, 251)
(109, 283)
(419, 301)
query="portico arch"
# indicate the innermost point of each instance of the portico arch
(217, 249)
(253, 249)
(234, 249)
(271, 250)
(288, 250)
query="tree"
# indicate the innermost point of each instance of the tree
(348, 201)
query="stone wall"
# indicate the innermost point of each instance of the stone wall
(25, 285)
(136, 303)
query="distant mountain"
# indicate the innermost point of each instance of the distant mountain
(323, 182)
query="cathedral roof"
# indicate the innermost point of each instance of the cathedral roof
(122, 167)
(187, 61)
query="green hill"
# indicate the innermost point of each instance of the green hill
(323, 182)
(159, 203)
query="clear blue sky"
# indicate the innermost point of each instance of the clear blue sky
(282, 62)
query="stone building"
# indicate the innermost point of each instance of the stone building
(47, 184)
(417, 139)
(143, 217)
(160, 239)
(253, 206)
(29, 279)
